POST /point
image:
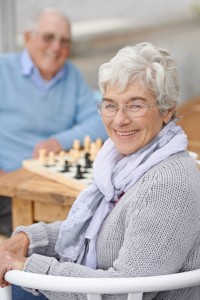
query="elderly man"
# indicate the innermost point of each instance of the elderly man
(44, 101)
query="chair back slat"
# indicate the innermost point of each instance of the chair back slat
(135, 296)
(94, 297)
(5, 293)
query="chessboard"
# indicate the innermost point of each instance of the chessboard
(73, 168)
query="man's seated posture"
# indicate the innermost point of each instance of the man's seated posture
(44, 101)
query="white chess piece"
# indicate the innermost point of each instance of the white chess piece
(99, 143)
(62, 158)
(76, 149)
(93, 151)
(86, 144)
(51, 158)
(42, 156)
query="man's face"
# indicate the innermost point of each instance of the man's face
(49, 44)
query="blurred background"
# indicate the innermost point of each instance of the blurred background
(101, 27)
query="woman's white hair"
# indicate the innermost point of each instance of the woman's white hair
(153, 67)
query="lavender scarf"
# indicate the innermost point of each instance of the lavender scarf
(114, 174)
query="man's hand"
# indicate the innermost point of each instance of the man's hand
(13, 253)
(49, 145)
(2, 172)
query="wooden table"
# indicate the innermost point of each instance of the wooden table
(35, 198)
(189, 114)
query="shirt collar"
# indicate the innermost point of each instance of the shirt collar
(26, 63)
(29, 69)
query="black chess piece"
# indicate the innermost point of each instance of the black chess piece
(88, 162)
(66, 167)
(79, 173)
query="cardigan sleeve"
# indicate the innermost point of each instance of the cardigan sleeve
(42, 237)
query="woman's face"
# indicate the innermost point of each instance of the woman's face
(131, 133)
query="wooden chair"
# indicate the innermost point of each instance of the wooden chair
(189, 114)
(94, 287)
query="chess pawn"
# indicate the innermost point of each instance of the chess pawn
(79, 174)
(93, 151)
(99, 143)
(62, 158)
(42, 156)
(86, 144)
(88, 161)
(51, 158)
(74, 155)
(76, 145)
(71, 156)
(76, 149)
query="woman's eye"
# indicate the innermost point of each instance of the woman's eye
(110, 106)
(134, 106)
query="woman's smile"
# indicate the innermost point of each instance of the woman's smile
(126, 133)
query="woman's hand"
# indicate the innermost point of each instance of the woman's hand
(13, 253)
(9, 261)
(17, 244)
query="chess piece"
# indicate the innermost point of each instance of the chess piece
(61, 158)
(66, 167)
(76, 145)
(86, 144)
(93, 151)
(79, 174)
(76, 149)
(88, 162)
(74, 155)
(42, 156)
(99, 144)
(51, 159)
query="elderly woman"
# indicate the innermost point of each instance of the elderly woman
(141, 216)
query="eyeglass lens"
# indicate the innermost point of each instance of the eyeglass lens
(50, 38)
(109, 109)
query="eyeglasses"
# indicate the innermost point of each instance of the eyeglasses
(108, 109)
(50, 38)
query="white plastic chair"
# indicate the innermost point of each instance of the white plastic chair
(94, 287)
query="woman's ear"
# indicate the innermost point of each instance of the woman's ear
(167, 115)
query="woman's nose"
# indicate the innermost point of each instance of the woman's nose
(121, 117)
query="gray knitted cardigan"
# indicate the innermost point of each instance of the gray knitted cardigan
(154, 229)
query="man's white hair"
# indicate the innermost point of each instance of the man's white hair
(34, 20)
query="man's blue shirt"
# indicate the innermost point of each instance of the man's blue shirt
(66, 110)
